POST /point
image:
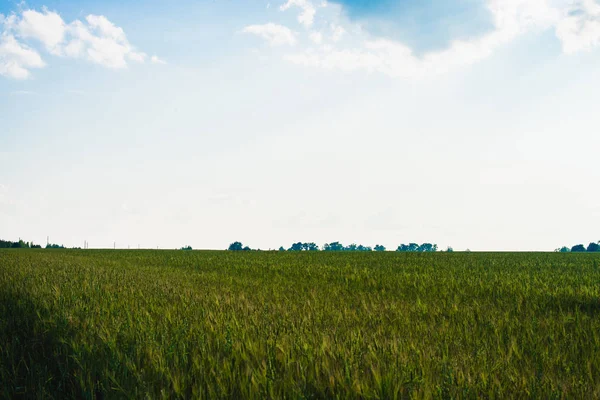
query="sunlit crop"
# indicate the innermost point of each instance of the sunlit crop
(190, 324)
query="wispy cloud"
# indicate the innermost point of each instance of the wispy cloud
(274, 34)
(577, 26)
(307, 15)
(580, 29)
(22, 92)
(157, 60)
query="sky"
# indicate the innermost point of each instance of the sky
(467, 123)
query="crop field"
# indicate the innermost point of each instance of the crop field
(208, 324)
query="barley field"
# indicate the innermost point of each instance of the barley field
(207, 324)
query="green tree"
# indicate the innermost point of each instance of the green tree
(297, 247)
(236, 246)
(593, 247)
(334, 246)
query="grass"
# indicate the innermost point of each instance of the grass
(173, 324)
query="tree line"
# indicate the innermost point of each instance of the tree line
(337, 246)
(580, 248)
(7, 244)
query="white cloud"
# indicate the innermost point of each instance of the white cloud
(95, 39)
(276, 35)
(157, 60)
(47, 27)
(100, 42)
(579, 30)
(337, 32)
(316, 37)
(577, 26)
(307, 16)
(16, 58)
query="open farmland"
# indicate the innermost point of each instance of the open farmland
(176, 324)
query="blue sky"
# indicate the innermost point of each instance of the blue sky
(423, 24)
(204, 122)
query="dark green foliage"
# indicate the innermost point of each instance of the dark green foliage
(337, 246)
(206, 324)
(236, 246)
(7, 244)
(304, 247)
(187, 248)
(379, 248)
(334, 246)
(413, 247)
(593, 247)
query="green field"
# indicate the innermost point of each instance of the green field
(176, 324)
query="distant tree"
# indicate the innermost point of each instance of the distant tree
(281, 248)
(578, 248)
(335, 246)
(246, 249)
(54, 246)
(402, 248)
(311, 247)
(351, 247)
(449, 250)
(593, 247)
(379, 248)
(408, 247)
(7, 244)
(236, 246)
(414, 247)
(427, 248)
(304, 247)
(297, 247)
(563, 249)
(187, 248)
(363, 248)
